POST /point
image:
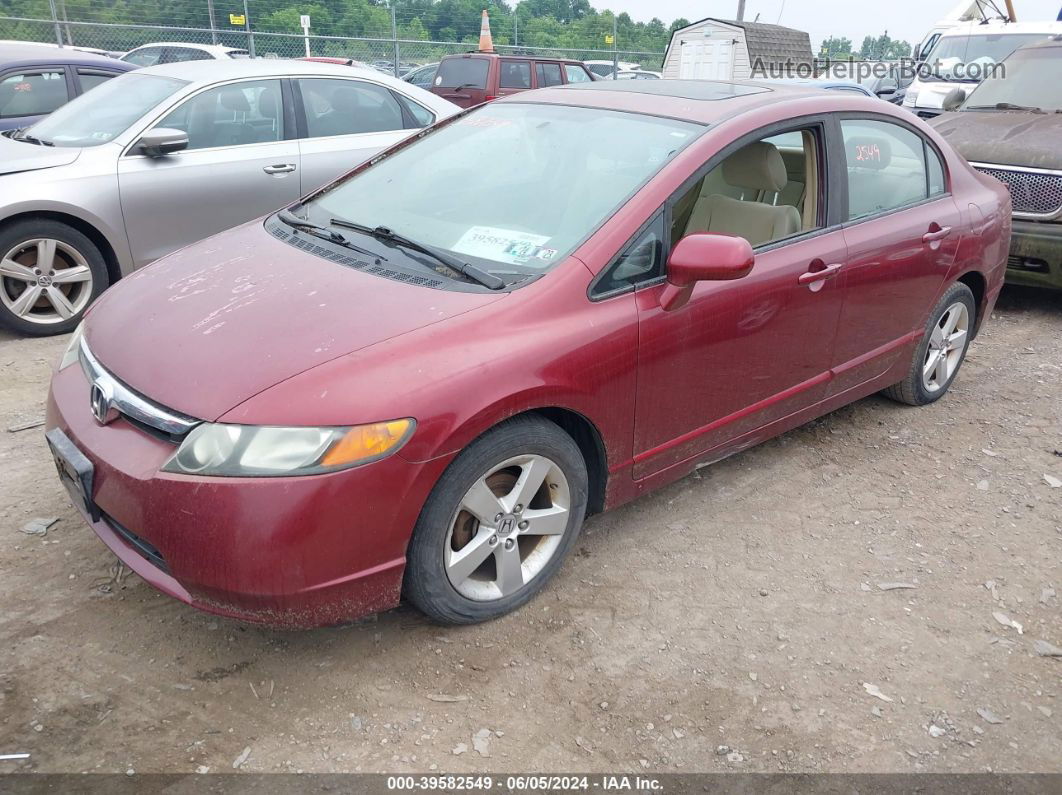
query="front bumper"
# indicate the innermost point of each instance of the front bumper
(287, 552)
(1036, 254)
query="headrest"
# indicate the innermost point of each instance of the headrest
(870, 153)
(267, 104)
(758, 166)
(234, 99)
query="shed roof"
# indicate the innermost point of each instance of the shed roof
(774, 44)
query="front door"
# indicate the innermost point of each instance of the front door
(902, 237)
(743, 354)
(237, 166)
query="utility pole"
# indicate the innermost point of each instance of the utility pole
(213, 24)
(741, 10)
(394, 35)
(247, 27)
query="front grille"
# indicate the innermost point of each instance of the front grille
(1034, 193)
(145, 549)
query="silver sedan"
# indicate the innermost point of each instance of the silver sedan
(162, 157)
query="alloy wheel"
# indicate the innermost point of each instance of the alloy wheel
(45, 281)
(508, 526)
(947, 344)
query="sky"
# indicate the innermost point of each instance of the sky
(903, 19)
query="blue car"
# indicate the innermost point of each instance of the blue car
(35, 79)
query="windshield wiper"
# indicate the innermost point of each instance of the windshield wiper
(1005, 106)
(22, 136)
(488, 280)
(323, 232)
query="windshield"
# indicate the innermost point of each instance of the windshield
(103, 113)
(952, 57)
(1032, 79)
(510, 186)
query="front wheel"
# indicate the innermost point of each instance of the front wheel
(498, 524)
(941, 352)
(49, 274)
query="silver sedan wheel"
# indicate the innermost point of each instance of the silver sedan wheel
(946, 347)
(45, 281)
(509, 525)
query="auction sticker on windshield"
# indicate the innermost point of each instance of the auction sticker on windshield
(502, 245)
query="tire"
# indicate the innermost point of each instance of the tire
(442, 577)
(918, 388)
(25, 249)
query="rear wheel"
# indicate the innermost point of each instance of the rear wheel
(498, 524)
(49, 274)
(941, 352)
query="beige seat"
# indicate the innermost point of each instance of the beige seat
(754, 168)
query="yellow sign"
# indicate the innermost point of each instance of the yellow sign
(237, 19)
(609, 39)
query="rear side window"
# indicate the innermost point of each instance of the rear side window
(576, 74)
(149, 56)
(32, 92)
(886, 167)
(421, 116)
(462, 73)
(936, 172)
(348, 107)
(91, 79)
(515, 74)
(548, 74)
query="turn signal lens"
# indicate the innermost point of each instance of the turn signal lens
(367, 442)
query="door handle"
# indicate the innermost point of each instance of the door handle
(811, 277)
(933, 237)
(281, 168)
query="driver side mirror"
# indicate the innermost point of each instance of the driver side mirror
(162, 141)
(953, 99)
(703, 257)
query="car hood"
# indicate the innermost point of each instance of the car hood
(210, 326)
(1010, 138)
(16, 156)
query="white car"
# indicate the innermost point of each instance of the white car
(604, 69)
(176, 51)
(964, 55)
(637, 74)
(161, 157)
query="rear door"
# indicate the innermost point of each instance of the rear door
(242, 161)
(514, 76)
(88, 77)
(343, 122)
(902, 231)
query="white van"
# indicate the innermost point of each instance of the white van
(964, 55)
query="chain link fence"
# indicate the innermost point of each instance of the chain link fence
(388, 52)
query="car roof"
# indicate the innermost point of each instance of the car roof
(32, 54)
(511, 55)
(228, 69)
(701, 101)
(215, 48)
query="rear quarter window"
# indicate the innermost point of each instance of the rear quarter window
(467, 72)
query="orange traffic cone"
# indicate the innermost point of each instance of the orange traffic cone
(486, 43)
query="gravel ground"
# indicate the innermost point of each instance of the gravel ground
(742, 619)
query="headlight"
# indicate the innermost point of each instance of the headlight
(266, 451)
(70, 355)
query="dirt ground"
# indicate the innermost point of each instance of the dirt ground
(741, 608)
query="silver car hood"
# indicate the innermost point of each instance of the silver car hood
(16, 156)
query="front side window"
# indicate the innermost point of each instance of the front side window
(90, 78)
(766, 191)
(548, 74)
(32, 92)
(231, 115)
(576, 74)
(348, 107)
(566, 170)
(641, 261)
(99, 116)
(149, 56)
(515, 74)
(886, 167)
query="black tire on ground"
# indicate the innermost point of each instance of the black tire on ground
(30, 228)
(426, 584)
(911, 390)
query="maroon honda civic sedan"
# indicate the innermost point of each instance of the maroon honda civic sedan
(419, 380)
